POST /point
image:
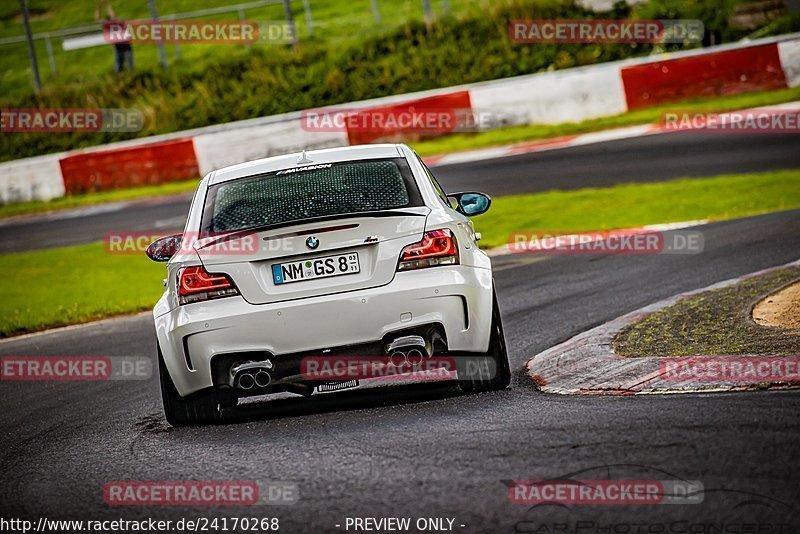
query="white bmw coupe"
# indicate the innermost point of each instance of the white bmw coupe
(331, 254)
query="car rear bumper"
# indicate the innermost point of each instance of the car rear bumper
(459, 298)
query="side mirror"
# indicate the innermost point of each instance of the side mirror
(166, 247)
(471, 203)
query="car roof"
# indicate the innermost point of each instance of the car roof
(312, 157)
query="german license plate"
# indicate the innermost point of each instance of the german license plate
(297, 271)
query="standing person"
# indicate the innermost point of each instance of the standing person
(123, 51)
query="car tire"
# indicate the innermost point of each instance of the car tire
(203, 407)
(487, 381)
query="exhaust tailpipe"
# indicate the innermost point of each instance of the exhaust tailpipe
(262, 379)
(246, 381)
(415, 357)
(408, 349)
(249, 375)
(397, 358)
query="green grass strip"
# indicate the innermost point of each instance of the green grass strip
(633, 205)
(69, 285)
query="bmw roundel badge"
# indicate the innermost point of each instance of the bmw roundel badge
(312, 242)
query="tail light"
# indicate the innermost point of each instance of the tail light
(195, 284)
(438, 247)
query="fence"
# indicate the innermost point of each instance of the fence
(90, 35)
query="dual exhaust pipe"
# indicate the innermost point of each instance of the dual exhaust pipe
(408, 350)
(249, 375)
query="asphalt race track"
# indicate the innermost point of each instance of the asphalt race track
(426, 450)
(649, 158)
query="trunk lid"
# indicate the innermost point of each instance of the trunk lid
(256, 261)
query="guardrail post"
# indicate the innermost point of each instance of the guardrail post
(162, 54)
(49, 46)
(243, 19)
(376, 12)
(37, 83)
(309, 20)
(287, 12)
(426, 8)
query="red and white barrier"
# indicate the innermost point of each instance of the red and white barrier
(570, 95)
(726, 72)
(153, 163)
(545, 98)
(789, 52)
(28, 179)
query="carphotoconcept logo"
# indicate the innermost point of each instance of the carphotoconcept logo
(62, 120)
(684, 31)
(571, 502)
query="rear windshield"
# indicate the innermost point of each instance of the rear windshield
(309, 192)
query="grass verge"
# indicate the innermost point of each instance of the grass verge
(633, 205)
(70, 285)
(715, 323)
(518, 134)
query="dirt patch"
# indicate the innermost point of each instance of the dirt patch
(781, 310)
(716, 322)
